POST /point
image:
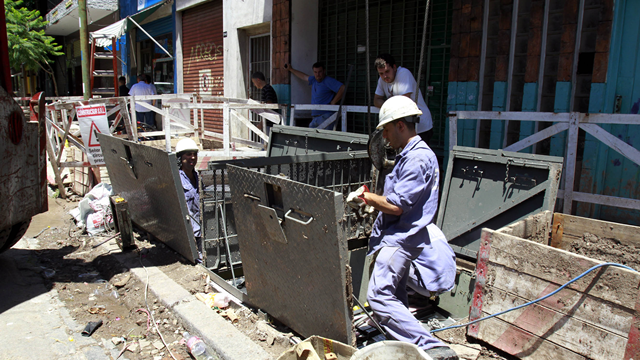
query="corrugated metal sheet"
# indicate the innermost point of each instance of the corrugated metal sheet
(203, 56)
(156, 28)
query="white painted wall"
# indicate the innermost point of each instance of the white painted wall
(304, 46)
(239, 18)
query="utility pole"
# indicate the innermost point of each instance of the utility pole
(84, 48)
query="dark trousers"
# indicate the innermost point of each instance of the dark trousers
(147, 117)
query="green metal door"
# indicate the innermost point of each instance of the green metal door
(396, 28)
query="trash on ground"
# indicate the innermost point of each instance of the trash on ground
(94, 210)
(91, 327)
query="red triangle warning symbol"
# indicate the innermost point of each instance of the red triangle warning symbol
(93, 137)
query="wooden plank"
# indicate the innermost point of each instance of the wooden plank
(537, 137)
(557, 232)
(248, 124)
(615, 201)
(562, 329)
(570, 162)
(613, 142)
(509, 288)
(534, 228)
(522, 344)
(515, 115)
(574, 227)
(610, 119)
(594, 315)
(557, 266)
(632, 350)
(453, 131)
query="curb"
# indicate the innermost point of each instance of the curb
(217, 333)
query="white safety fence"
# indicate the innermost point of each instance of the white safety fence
(569, 122)
(343, 113)
(176, 118)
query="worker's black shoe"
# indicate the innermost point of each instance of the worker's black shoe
(442, 353)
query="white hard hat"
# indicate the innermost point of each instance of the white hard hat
(397, 107)
(186, 144)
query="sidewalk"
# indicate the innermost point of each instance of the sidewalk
(219, 334)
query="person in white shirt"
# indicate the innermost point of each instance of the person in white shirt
(142, 113)
(397, 80)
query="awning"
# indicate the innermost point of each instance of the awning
(103, 36)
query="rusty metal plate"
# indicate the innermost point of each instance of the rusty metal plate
(493, 188)
(302, 282)
(21, 182)
(148, 179)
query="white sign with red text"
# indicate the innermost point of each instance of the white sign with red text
(93, 120)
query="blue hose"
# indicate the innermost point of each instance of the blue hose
(537, 300)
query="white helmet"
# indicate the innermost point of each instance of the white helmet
(186, 144)
(397, 107)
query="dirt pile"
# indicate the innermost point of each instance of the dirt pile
(609, 250)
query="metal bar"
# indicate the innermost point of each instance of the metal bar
(483, 62)
(570, 166)
(150, 37)
(512, 52)
(424, 42)
(543, 55)
(226, 240)
(576, 54)
(115, 66)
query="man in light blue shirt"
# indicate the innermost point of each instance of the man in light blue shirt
(403, 235)
(139, 89)
(324, 90)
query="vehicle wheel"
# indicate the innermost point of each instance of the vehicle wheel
(13, 234)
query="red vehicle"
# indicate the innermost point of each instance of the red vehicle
(23, 174)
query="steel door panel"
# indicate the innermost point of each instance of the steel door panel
(301, 283)
(293, 141)
(481, 190)
(148, 179)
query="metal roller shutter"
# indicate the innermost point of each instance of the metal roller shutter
(203, 56)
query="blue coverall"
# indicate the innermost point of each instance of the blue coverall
(412, 236)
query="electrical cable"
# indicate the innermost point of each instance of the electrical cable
(537, 300)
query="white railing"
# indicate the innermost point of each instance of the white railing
(343, 112)
(569, 122)
(175, 121)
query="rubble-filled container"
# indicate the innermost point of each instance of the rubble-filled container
(592, 318)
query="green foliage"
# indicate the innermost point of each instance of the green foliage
(27, 42)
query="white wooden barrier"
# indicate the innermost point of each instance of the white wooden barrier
(569, 122)
(344, 111)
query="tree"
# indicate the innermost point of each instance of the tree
(28, 44)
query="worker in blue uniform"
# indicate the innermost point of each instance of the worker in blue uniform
(403, 235)
(187, 154)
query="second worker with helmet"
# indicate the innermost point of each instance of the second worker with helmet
(409, 249)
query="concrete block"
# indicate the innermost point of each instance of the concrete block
(227, 341)
(165, 289)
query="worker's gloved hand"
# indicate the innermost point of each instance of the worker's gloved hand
(355, 199)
